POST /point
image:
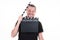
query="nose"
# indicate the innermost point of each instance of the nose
(31, 12)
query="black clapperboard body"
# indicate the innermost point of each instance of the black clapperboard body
(28, 25)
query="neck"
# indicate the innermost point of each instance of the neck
(29, 17)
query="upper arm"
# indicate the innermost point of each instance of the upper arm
(40, 28)
(40, 36)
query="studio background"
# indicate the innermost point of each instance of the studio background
(48, 12)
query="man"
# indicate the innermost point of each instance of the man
(31, 9)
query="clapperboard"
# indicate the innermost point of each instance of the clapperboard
(29, 25)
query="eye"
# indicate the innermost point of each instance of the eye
(33, 11)
(29, 10)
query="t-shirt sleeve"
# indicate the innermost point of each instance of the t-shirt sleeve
(40, 28)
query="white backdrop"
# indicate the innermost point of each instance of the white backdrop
(48, 12)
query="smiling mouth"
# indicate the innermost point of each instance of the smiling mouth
(31, 14)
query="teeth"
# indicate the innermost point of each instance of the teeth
(30, 15)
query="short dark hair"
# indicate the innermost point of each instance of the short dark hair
(31, 5)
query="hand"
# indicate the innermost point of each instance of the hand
(20, 18)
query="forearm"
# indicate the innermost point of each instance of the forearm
(15, 30)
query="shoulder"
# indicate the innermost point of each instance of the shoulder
(39, 22)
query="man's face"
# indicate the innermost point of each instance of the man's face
(31, 11)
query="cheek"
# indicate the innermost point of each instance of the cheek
(28, 11)
(33, 12)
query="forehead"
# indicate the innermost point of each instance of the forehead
(32, 8)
